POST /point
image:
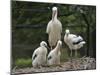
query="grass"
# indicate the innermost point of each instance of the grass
(64, 55)
(22, 62)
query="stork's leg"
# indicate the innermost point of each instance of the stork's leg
(75, 53)
(71, 59)
(71, 53)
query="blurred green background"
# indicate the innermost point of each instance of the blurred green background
(29, 21)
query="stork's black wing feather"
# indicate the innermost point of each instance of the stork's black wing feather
(49, 57)
(77, 42)
(34, 57)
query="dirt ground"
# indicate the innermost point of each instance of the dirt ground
(84, 63)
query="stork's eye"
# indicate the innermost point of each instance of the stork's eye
(44, 44)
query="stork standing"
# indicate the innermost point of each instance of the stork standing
(54, 55)
(54, 29)
(39, 56)
(73, 41)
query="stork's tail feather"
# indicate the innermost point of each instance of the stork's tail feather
(83, 42)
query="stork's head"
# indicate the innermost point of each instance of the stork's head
(54, 12)
(43, 43)
(67, 31)
(59, 43)
(54, 9)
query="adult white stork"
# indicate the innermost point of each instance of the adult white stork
(73, 41)
(54, 55)
(54, 29)
(40, 54)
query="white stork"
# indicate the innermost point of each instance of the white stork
(54, 29)
(73, 41)
(40, 54)
(54, 55)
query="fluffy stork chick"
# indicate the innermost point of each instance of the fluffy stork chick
(39, 56)
(73, 41)
(54, 55)
(54, 29)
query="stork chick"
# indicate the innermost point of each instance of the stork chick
(54, 55)
(54, 29)
(40, 54)
(73, 41)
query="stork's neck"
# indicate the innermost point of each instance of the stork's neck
(67, 34)
(54, 15)
(57, 48)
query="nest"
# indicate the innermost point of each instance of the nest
(84, 63)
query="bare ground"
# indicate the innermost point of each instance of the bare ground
(84, 63)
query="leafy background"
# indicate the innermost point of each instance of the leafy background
(29, 21)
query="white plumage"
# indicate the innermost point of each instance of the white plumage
(54, 29)
(40, 54)
(54, 55)
(73, 41)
